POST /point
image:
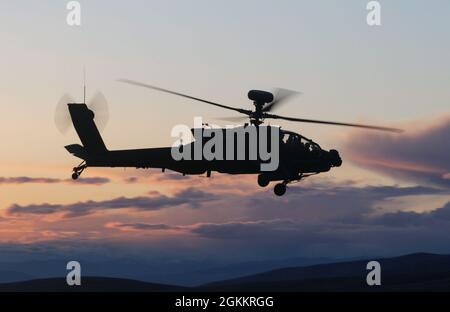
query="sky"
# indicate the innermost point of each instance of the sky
(391, 196)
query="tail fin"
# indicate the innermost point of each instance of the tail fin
(83, 121)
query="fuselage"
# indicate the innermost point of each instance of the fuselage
(268, 151)
(292, 162)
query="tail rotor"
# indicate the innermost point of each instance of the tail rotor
(98, 105)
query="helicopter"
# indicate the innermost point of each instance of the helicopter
(298, 156)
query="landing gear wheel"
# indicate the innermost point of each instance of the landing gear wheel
(77, 171)
(263, 180)
(280, 189)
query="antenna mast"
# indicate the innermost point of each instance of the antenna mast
(84, 85)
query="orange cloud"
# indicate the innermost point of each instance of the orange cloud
(46, 180)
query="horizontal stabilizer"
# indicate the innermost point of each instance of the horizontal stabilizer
(77, 150)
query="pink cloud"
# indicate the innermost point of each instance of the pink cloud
(47, 180)
(419, 155)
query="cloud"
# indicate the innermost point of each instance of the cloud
(51, 234)
(277, 228)
(329, 201)
(227, 230)
(418, 156)
(141, 226)
(24, 180)
(324, 218)
(313, 220)
(352, 207)
(194, 195)
(131, 180)
(190, 197)
(89, 180)
(387, 234)
(242, 230)
(246, 229)
(43, 180)
(173, 176)
(440, 216)
(157, 177)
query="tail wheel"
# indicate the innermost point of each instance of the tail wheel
(280, 189)
(263, 180)
(77, 171)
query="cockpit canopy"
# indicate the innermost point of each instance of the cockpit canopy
(293, 139)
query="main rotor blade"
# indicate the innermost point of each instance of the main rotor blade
(140, 84)
(332, 123)
(281, 96)
(232, 119)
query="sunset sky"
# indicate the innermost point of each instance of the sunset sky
(390, 197)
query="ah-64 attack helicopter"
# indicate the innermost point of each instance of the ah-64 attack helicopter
(299, 157)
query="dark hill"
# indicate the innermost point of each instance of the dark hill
(418, 271)
(415, 272)
(88, 284)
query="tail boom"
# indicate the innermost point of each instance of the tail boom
(83, 121)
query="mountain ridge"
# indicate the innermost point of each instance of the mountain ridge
(412, 272)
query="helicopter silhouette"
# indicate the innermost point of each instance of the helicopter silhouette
(299, 157)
